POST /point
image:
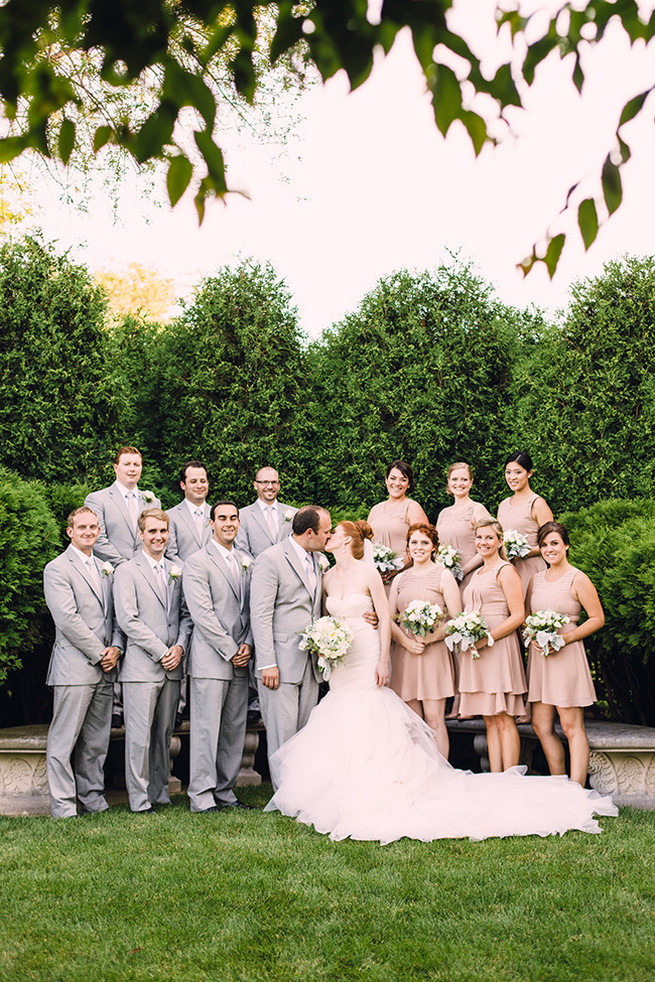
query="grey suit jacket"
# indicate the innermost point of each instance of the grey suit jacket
(254, 535)
(183, 538)
(117, 541)
(84, 620)
(150, 628)
(281, 606)
(221, 619)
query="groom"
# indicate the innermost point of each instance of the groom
(285, 596)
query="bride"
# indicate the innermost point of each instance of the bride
(366, 767)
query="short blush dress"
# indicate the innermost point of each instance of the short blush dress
(455, 529)
(495, 682)
(430, 675)
(518, 517)
(561, 678)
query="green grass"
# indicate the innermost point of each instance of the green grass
(258, 897)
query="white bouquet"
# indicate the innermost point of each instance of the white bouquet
(385, 559)
(464, 630)
(451, 559)
(542, 628)
(516, 544)
(420, 616)
(329, 639)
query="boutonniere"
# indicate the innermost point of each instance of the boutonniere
(245, 564)
(107, 569)
(323, 563)
(288, 516)
(146, 496)
(174, 573)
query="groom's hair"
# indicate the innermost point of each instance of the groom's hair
(306, 518)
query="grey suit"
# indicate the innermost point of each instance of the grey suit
(281, 606)
(118, 540)
(150, 693)
(82, 609)
(219, 689)
(254, 535)
(184, 538)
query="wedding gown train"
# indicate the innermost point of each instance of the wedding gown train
(366, 767)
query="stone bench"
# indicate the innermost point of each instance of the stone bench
(621, 761)
(23, 780)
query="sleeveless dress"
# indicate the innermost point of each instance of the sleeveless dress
(561, 678)
(366, 767)
(390, 525)
(518, 517)
(495, 682)
(455, 529)
(430, 675)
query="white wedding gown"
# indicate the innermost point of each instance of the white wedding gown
(366, 767)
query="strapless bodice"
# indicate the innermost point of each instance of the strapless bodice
(357, 670)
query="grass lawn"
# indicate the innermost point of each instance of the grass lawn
(257, 897)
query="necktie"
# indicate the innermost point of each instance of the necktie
(271, 522)
(199, 519)
(93, 571)
(132, 508)
(160, 579)
(311, 575)
(234, 570)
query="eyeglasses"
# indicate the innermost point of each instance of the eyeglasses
(265, 484)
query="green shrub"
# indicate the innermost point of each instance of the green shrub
(29, 538)
(614, 543)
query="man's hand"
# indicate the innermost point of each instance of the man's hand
(371, 618)
(271, 677)
(172, 658)
(109, 658)
(241, 656)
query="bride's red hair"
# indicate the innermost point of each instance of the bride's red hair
(358, 531)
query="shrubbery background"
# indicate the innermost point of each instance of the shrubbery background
(432, 368)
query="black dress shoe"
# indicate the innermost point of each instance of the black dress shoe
(253, 717)
(206, 811)
(116, 721)
(178, 720)
(237, 804)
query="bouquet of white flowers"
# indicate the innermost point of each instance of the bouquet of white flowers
(464, 630)
(451, 559)
(542, 629)
(329, 639)
(385, 559)
(420, 616)
(516, 544)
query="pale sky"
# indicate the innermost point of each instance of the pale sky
(370, 186)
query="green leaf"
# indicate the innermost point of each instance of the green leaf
(632, 107)
(213, 157)
(477, 130)
(588, 221)
(446, 97)
(611, 181)
(102, 135)
(10, 148)
(178, 176)
(66, 139)
(154, 135)
(289, 30)
(553, 252)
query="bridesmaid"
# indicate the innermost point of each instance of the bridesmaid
(525, 511)
(391, 519)
(493, 684)
(456, 524)
(422, 671)
(562, 681)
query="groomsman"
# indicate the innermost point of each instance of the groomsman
(88, 644)
(150, 609)
(189, 528)
(285, 597)
(118, 508)
(217, 591)
(267, 520)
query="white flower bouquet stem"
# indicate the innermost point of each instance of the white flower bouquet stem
(464, 630)
(451, 559)
(516, 544)
(420, 617)
(329, 639)
(542, 628)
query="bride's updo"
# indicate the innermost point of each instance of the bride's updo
(358, 531)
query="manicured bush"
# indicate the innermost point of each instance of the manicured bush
(614, 543)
